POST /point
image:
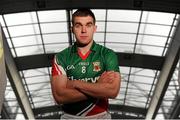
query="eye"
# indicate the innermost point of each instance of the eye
(77, 25)
(89, 25)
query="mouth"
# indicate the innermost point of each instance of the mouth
(83, 37)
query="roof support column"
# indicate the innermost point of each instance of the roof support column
(168, 68)
(175, 111)
(68, 13)
(3, 80)
(16, 82)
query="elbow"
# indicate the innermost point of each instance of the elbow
(114, 94)
(58, 98)
(116, 88)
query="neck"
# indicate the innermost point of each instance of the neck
(86, 48)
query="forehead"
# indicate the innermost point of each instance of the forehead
(83, 19)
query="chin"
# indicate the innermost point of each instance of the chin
(82, 44)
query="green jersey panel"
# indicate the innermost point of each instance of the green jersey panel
(111, 61)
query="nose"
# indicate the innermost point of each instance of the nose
(83, 29)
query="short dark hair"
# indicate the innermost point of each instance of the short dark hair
(83, 12)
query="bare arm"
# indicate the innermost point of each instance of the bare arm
(62, 94)
(107, 86)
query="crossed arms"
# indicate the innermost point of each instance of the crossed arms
(67, 91)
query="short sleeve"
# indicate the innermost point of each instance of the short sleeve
(58, 67)
(111, 61)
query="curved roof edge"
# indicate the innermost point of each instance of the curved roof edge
(14, 6)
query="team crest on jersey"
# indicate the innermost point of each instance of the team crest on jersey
(97, 66)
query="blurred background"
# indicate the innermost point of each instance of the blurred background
(144, 34)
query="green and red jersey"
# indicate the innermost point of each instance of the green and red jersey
(89, 68)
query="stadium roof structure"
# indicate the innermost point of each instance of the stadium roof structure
(144, 33)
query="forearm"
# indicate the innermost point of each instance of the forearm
(98, 90)
(107, 86)
(69, 95)
(62, 94)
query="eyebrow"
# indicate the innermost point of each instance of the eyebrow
(77, 23)
(89, 23)
(81, 23)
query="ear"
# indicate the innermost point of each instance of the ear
(72, 29)
(95, 28)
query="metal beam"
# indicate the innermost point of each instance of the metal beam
(140, 60)
(125, 59)
(121, 116)
(175, 111)
(5, 112)
(113, 108)
(16, 82)
(113, 116)
(68, 14)
(14, 6)
(168, 68)
(48, 109)
(128, 109)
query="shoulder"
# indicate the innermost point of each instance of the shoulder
(64, 54)
(104, 50)
(107, 53)
(65, 51)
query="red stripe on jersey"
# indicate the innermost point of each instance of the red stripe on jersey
(100, 107)
(55, 69)
(83, 57)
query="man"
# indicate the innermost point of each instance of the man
(86, 74)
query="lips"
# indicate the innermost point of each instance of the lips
(83, 36)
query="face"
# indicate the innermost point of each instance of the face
(84, 29)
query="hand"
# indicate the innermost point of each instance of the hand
(107, 77)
